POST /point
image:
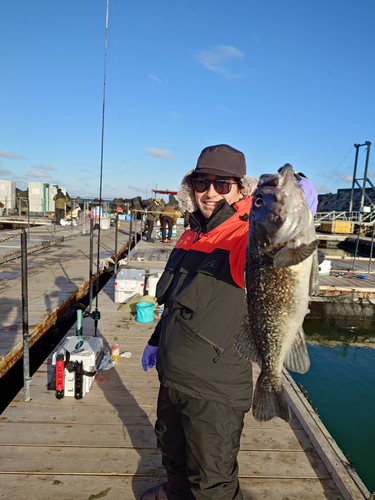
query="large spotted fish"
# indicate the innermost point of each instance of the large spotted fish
(281, 273)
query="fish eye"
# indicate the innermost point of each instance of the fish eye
(258, 202)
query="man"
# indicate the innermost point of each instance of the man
(206, 387)
(60, 199)
(168, 217)
(151, 218)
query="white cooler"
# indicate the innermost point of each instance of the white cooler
(325, 268)
(153, 281)
(89, 350)
(128, 283)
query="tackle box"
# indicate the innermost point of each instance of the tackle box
(85, 349)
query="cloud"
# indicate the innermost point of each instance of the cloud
(321, 189)
(38, 173)
(12, 156)
(44, 167)
(159, 153)
(347, 178)
(217, 59)
(154, 77)
(343, 177)
(5, 171)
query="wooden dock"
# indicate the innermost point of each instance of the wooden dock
(103, 446)
(58, 277)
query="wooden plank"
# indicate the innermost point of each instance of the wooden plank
(69, 487)
(34, 412)
(137, 436)
(114, 398)
(125, 461)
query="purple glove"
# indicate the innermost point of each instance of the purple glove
(310, 192)
(149, 357)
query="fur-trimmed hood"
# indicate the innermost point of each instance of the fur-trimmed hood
(186, 198)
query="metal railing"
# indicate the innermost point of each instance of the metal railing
(359, 217)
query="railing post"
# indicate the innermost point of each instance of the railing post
(130, 232)
(354, 177)
(116, 239)
(84, 217)
(25, 319)
(28, 219)
(135, 228)
(371, 247)
(359, 233)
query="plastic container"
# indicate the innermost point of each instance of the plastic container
(145, 312)
(115, 351)
(89, 351)
(105, 223)
(152, 281)
(325, 268)
(128, 283)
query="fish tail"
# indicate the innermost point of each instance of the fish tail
(269, 402)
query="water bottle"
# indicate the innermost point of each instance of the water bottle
(115, 351)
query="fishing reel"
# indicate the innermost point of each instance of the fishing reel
(95, 315)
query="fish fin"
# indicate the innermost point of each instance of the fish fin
(244, 342)
(292, 256)
(314, 276)
(269, 402)
(297, 358)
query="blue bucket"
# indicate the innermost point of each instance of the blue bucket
(145, 312)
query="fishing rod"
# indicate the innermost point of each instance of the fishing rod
(96, 314)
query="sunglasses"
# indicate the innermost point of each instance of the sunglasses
(221, 186)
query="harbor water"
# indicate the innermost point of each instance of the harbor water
(340, 385)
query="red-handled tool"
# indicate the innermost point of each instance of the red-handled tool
(60, 368)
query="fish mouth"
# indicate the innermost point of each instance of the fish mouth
(279, 208)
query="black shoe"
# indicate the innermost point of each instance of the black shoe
(156, 493)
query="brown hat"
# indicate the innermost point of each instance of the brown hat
(221, 160)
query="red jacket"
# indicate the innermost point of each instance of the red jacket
(202, 288)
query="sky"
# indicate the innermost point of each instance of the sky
(283, 81)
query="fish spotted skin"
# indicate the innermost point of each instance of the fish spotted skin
(280, 273)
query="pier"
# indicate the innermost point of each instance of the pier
(58, 277)
(103, 446)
